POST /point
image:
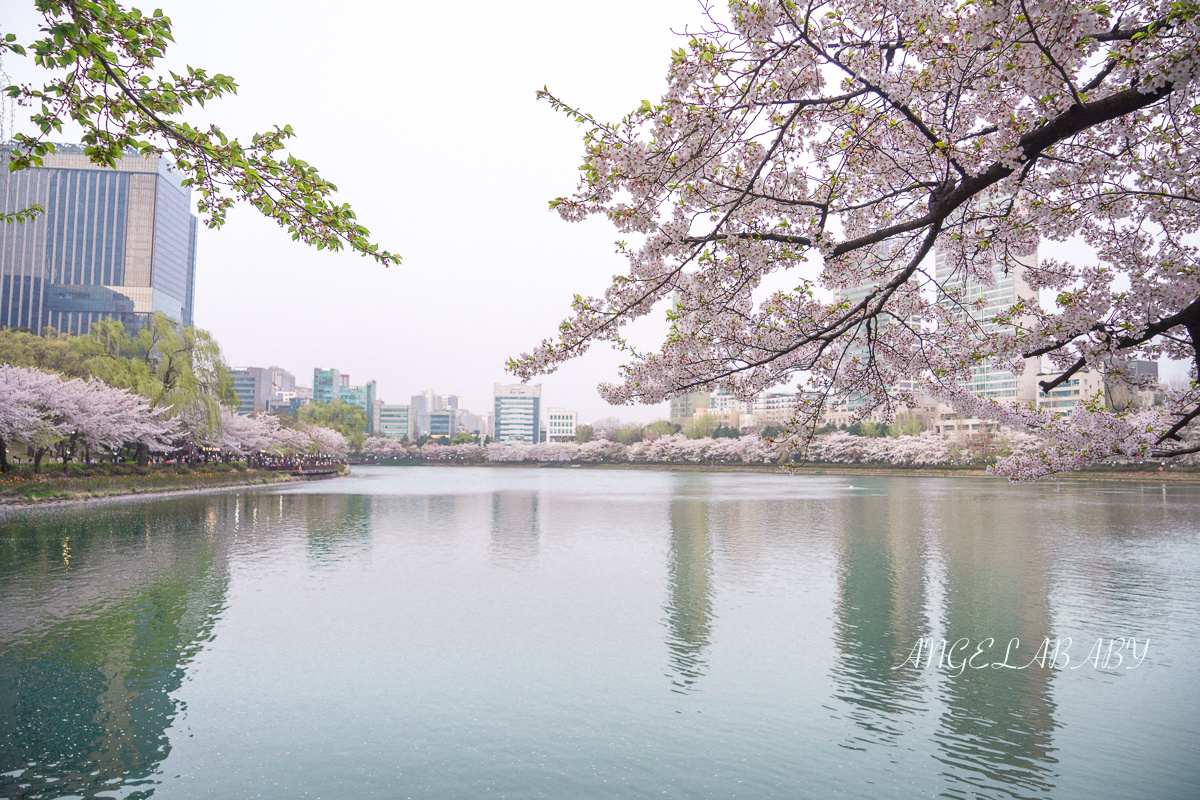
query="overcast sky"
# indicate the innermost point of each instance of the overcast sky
(425, 117)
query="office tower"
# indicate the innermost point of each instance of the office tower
(397, 423)
(327, 385)
(518, 412)
(259, 387)
(111, 243)
(366, 398)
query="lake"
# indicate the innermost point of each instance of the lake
(461, 632)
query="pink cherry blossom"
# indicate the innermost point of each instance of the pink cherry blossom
(845, 143)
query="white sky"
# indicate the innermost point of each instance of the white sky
(425, 116)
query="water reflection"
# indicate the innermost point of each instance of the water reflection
(98, 622)
(515, 524)
(432, 668)
(336, 525)
(879, 613)
(689, 608)
(995, 736)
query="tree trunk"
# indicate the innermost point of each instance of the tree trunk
(3, 457)
(143, 455)
(37, 459)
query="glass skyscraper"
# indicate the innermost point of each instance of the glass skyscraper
(115, 243)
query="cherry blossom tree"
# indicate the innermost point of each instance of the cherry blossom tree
(383, 447)
(845, 144)
(96, 417)
(291, 442)
(242, 434)
(21, 418)
(47, 412)
(327, 442)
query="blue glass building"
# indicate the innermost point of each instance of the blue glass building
(115, 243)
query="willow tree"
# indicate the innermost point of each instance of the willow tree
(844, 144)
(179, 369)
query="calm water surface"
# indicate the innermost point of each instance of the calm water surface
(557, 633)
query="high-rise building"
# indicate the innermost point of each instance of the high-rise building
(365, 397)
(443, 423)
(111, 243)
(518, 413)
(327, 385)
(981, 302)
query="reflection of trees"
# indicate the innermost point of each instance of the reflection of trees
(334, 524)
(99, 616)
(880, 611)
(515, 522)
(996, 734)
(689, 607)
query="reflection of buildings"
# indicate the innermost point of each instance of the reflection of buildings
(996, 725)
(336, 524)
(689, 608)
(515, 523)
(880, 610)
(112, 243)
(997, 721)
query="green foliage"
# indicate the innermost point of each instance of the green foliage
(726, 432)
(702, 427)
(179, 368)
(872, 429)
(463, 438)
(51, 352)
(348, 420)
(104, 78)
(662, 427)
(584, 433)
(905, 425)
(630, 434)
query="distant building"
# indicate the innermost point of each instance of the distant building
(396, 423)
(258, 387)
(518, 412)
(327, 385)
(561, 425)
(443, 423)
(426, 403)
(112, 243)
(365, 397)
(421, 404)
(683, 408)
(472, 423)
(980, 303)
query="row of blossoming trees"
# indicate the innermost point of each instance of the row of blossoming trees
(74, 418)
(840, 448)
